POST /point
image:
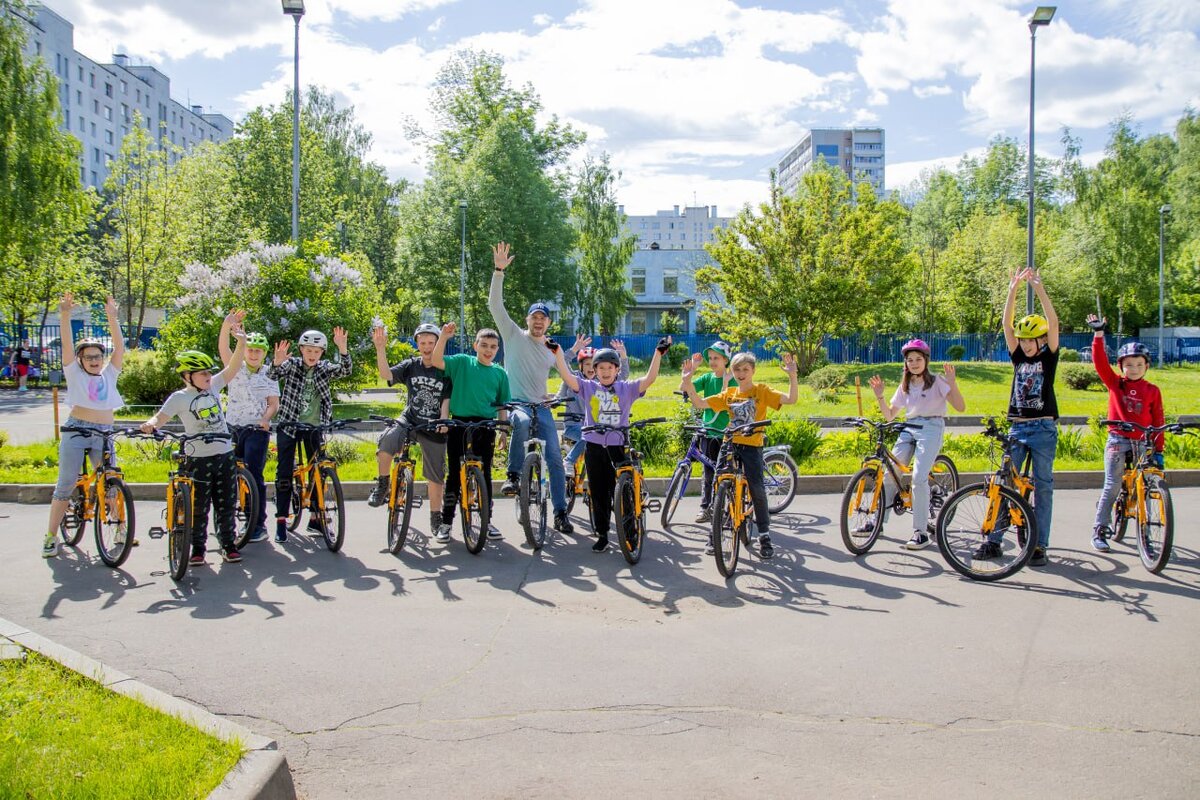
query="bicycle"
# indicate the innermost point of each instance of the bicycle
(971, 529)
(577, 476)
(248, 501)
(113, 520)
(322, 497)
(401, 498)
(733, 506)
(180, 508)
(631, 501)
(534, 489)
(1144, 496)
(863, 502)
(473, 491)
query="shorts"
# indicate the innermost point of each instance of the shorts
(22, 370)
(433, 451)
(73, 448)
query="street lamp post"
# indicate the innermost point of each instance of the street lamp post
(1041, 16)
(462, 281)
(1162, 215)
(295, 8)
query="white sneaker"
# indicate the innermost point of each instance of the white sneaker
(50, 547)
(919, 541)
(494, 532)
(443, 533)
(119, 537)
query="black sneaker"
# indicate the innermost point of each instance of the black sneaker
(379, 494)
(562, 523)
(1039, 557)
(280, 531)
(511, 485)
(601, 543)
(765, 550)
(987, 551)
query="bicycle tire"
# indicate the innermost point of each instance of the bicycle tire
(725, 538)
(179, 537)
(630, 529)
(1160, 517)
(246, 511)
(861, 526)
(297, 504)
(475, 515)
(333, 509)
(119, 531)
(531, 494)
(780, 478)
(675, 492)
(400, 510)
(570, 493)
(70, 527)
(943, 482)
(959, 532)
(1120, 515)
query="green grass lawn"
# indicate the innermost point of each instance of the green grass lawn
(65, 736)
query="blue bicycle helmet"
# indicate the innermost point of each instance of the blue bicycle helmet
(1133, 349)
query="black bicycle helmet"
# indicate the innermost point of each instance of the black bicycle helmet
(1133, 349)
(606, 355)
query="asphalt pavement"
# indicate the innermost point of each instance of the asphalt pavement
(564, 673)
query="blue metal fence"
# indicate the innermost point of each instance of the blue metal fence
(45, 341)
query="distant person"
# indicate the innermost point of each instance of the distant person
(20, 362)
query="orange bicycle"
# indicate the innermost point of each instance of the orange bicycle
(113, 520)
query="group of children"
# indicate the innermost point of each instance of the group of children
(473, 387)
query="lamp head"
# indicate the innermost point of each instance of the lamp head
(1043, 15)
(294, 8)
(462, 203)
(1166, 209)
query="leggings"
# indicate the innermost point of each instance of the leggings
(214, 480)
(483, 443)
(286, 446)
(602, 479)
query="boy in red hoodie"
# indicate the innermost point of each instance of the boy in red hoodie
(1131, 398)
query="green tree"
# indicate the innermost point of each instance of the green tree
(1183, 226)
(976, 267)
(209, 227)
(669, 324)
(935, 218)
(603, 248)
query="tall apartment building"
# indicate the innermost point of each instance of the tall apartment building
(859, 152)
(99, 100)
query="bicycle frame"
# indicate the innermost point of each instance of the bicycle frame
(93, 481)
(1008, 475)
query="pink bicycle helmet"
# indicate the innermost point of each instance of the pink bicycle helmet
(916, 344)
(586, 352)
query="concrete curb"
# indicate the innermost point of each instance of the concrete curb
(261, 774)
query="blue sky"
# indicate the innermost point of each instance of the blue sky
(694, 99)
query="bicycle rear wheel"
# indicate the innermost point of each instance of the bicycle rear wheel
(725, 537)
(70, 528)
(779, 479)
(1157, 532)
(400, 510)
(246, 511)
(943, 482)
(532, 499)
(333, 511)
(570, 493)
(862, 510)
(114, 523)
(986, 532)
(1120, 519)
(475, 515)
(179, 538)
(297, 504)
(630, 526)
(676, 489)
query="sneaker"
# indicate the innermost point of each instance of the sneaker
(280, 531)
(494, 532)
(443, 533)
(119, 537)
(765, 550)
(705, 515)
(987, 551)
(231, 556)
(259, 535)
(510, 487)
(197, 559)
(562, 523)
(315, 527)
(601, 543)
(1100, 539)
(919, 541)
(1039, 557)
(709, 547)
(866, 527)
(50, 546)
(379, 493)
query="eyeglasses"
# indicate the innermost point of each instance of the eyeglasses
(92, 358)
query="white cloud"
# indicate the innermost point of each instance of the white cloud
(934, 90)
(542, 20)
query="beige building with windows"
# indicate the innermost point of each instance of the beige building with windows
(859, 152)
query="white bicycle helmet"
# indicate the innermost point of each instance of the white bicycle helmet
(427, 327)
(313, 338)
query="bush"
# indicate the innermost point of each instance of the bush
(656, 444)
(955, 352)
(853, 442)
(1079, 376)
(147, 377)
(830, 376)
(963, 446)
(801, 435)
(675, 356)
(342, 451)
(3, 438)
(827, 396)
(1069, 356)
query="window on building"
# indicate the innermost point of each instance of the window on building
(638, 276)
(658, 237)
(68, 119)
(82, 126)
(193, 129)
(683, 237)
(95, 155)
(124, 112)
(124, 87)
(37, 47)
(83, 174)
(108, 139)
(108, 113)
(92, 79)
(108, 90)
(80, 72)
(78, 97)
(637, 321)
(655, 225)
(95, 106)
(95, 179)
(670, 281)
(93, 129)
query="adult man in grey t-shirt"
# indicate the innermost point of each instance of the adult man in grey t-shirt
(528, 362)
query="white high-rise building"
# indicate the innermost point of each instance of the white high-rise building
(99, 100)
(859, 152)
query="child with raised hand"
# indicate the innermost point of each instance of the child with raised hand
(305, 396)
(92, 398)
(714, 382)
(606, 400)
(922, 396)
(573, 409)
(748, 402)
(1131, 398)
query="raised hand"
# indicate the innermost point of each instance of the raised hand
(877, 385)
(282, 348)
(664, 344)
(697, 359)
(448, 330)
(951, 373)
(689, 366)
(552, 345)
(110, 307)
(581, 342)
(1098, 324)
(379, 337)
(619, 346)
(789, 363)
(339, 337)
(500, 256)
(67, 303)
(238, 331)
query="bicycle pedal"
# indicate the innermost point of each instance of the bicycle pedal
(416, 502)
(156, 532)
(653, 505)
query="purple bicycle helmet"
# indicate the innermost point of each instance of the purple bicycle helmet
(916, 344)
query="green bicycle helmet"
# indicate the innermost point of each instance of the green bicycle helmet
(1031, 327)
(193, 361)
(257, 341)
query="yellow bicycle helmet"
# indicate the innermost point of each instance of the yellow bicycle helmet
(1031, 327)
(193, 361)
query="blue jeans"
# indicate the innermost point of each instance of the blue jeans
(546, 431)
(574, 433)
(1038, 437)
(925, 443)
(1116, 451)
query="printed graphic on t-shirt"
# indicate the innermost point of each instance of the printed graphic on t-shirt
(97, 389)
(425, 397)
(1133, 403)
(1027, 387)
(606, 407)
(308, 390)
(742, 412)
(206, 408)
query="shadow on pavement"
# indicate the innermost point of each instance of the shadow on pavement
(81, 578)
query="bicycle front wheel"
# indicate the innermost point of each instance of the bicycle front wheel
(246, 511)
(1157, 531)
(943, 482)
(1120, 515)
(986, 532)
(676, 489)
(333, 511)
(725, 535)
(70, 527)
(862, 510)
(532, 497)
(114, 523)
(400, 510)
(780, 478)
(630, 527)
(297, 503)
(475, 515)
(179, 538)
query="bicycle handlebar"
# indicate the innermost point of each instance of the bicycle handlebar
(601, 427)
(420, 426)
(513, 405)
(296, 425)
(460, 423)
(95, 432)
(183, 438)
(1178, 428)
(895, 425)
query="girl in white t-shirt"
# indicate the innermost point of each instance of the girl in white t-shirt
(923, 397)
(92, 397)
